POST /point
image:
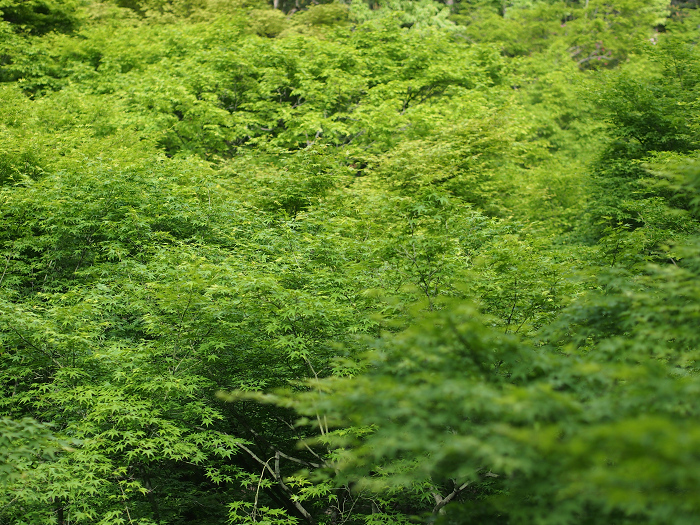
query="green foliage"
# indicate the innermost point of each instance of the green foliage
(593, 34)
(651, 118)
(419, 13)
(23, 443)
(467, 261)
(41, 16)
(601, 432)
(656, 113)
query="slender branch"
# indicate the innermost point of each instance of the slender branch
(126, 506)
(440, 502)
(47, 354)
(527, 318)
(262, 441)
(323, 426)
(515, 302)
(179, 331)
(82, 254)
(306, 446)
(257, 490)
(296, 503)
(275, 473)
(7, 263)
(253, 455)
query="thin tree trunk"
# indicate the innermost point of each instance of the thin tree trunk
(60, 512)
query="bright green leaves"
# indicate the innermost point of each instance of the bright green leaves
(428, 394)
(569, 438)
(115, 222)
(37, 17)
(462, 160)
(22, 445)
(134, 293)
(657, 112)
(290, 92)
(652, 119)
(322, 189)
(593, 34)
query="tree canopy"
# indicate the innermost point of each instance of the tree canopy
(374, 263)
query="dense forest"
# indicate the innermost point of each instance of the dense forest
(383, 263)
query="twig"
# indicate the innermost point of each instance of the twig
(5, 270)
(515, 302)
(278, 478)
(322, 427)
(59, 365)
(440, 502)
(126, 507)
(257, 490)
